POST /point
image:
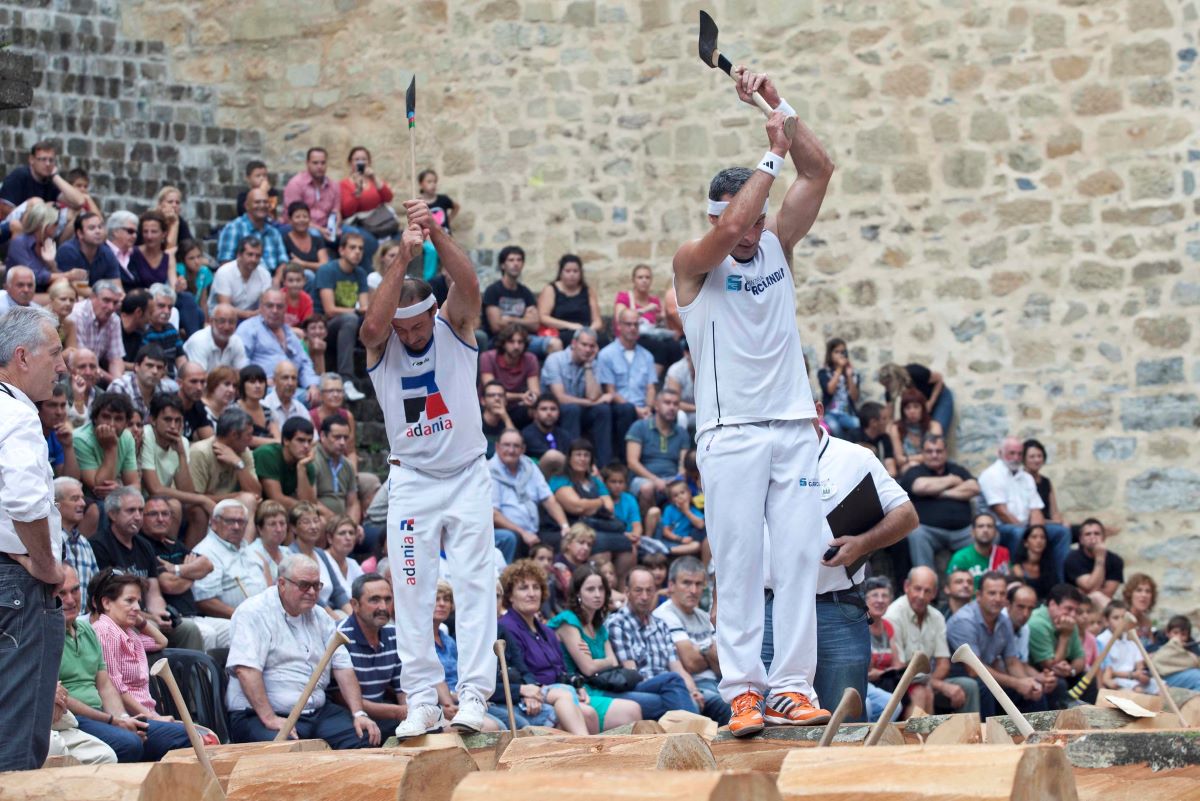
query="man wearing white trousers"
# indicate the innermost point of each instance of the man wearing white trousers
(439, 489)
(757, 450)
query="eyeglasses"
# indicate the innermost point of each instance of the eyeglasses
(235, 522)
(305, 586)
(132, 231)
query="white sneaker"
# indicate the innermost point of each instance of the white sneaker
(352, 392)
(471, 712)
(421, 720)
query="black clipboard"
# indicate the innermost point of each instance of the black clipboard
(858, 512)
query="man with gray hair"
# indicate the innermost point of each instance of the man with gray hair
(218, 343)
(692, 632)
(223, 466)
(31, 622)
(584, 409)
(98, 327)
(122, 236)
(237, 572)
(276, 640)
(77, 549)
(161, 331)
(19, 288)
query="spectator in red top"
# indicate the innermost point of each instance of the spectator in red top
(362, 192)
(653, 332)
(299, 303)
(516, 368)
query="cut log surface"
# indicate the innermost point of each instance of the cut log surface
(579, 785)
(629, 752)
(755, 754)
(1159, 750)
(1073, 719)
(994, 733)
(931, 773)
(1137, 783)
(961, 729)
(141, 781)
(679, 721)
(428, 774)
(225, 757)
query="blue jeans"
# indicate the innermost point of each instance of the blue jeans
(943, 410)
(594, 422)
(715, 706)
(331, 723)
(843, 425)
(1058, 541)
(877, 701)
(1187, 679)
(659, 695)
(31, 644)
(506, 541)
(160, 738)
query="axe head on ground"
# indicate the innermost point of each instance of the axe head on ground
(709, 53)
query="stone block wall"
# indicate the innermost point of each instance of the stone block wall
(1015, 201)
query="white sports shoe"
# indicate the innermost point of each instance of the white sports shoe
(352, 392)
(421, 720)
(471, 712)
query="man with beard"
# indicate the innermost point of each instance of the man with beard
(218, 343)
(373, 651)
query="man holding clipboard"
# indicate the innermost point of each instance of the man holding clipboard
(865, 510)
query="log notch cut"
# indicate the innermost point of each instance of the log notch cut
(139, 781)
(225, 757)
(941, 773)
(424, 774)
(578, 785)
(959, 729)
(629, 752)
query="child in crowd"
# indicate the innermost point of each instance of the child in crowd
(682, 523)
(1090, 625)
(625, 509)
(1124, 668)
(1178, 660)
(576, 551)
(657, 564)
(543, 555)
(314, 341)
(299, 303)
(691, 474)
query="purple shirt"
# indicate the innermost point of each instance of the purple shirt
(540, 650)
(146, 273)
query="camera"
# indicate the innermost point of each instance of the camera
(361, 166)
(573, 679)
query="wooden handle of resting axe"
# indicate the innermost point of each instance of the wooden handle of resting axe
(162, 669)
(336, 641)
(1081, 686)
(966, 656)
(1162, 685)
(918, 664)
(851, 704)
(499, 647)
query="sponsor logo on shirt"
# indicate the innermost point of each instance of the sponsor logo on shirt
(738, 283)
(430, 405)
(733, 283)
(810, 482)
(408, 552)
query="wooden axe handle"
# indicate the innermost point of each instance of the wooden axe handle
(918, 664)
(499, 647)
(162, 669)
(965, 655)
(850, 701)
(336, 641)
(725, 66)
(1090, 676)
(1162, 685)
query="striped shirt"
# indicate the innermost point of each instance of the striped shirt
(125, 657)
(78, 553)
(102, 339)
(376, 668)
(648, 645)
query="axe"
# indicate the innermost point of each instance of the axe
(713, 57)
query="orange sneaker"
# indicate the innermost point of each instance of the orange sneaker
(747, 718)
(793, 709)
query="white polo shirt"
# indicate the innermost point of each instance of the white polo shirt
(1016, 490)
(201, 349)
(243, 293)
(230, 565)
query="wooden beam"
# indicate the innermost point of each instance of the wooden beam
(994, 733)
(137, 781)
(960, 729)
(225, 757)
(679, 721)
(577, 785)
(423, 774)
(1136, 783)
(630, 752)
(1160, 750)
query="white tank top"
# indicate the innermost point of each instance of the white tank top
(745, 346)
(429, 402)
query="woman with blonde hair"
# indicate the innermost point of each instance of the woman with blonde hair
(341, 533)
(271, 520)
(62, 296)
(37, 249)
(169, 203)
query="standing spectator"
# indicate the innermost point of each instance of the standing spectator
(654, 450)
(939, 400)
(222, 465)
(518, 489)
(910, 429)
(508, 301)
(242, 281)
(282, 402)
(41, 179)
(361, 194)
(1033, 459)
(1055, 648)
(30, 538)
(164, 465)
(1011, 495)
(77, 549)
(149, 263)
(839, 391)
(983, 555)
(276, 640)
(336, 481)
(941, 492)
(373, 651)
(218, 343)
(693, 634)
(626, 369)
(86, 251)
(544, 440)
(237, 573)
(319, 194)
(342, 292)
(105, 446)
(516, 369)
(1092, 567)
(192, 265)
(286, 468)
(566, 304)
(1141, 594)
(99, 328)
(584, 410)
(1033, 563)
(254, 224)
(269, 341)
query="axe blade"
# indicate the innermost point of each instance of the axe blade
(708, 39)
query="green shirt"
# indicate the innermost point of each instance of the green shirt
(975, 563)
(268, 463)
(164, 462)
(595, 644)
(1043, 638)
(90, 454)
(81, 661)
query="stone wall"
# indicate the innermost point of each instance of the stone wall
(1014, 204)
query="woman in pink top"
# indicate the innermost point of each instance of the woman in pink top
(654, 334)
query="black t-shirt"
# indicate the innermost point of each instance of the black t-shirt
(938, 512)
(440, 287)
(512, 302)
(1044, 488)
(20, 185)
(194, 419)
(537, 442)
(138, 560)
(882, 445)
(1080, 564)
(492, 434)
(174, 553)
(922, 378)
(133, 341)
(440, 207)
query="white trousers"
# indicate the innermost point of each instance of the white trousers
(214, 630)
(66, 738)
(425, 514)
(755, 473)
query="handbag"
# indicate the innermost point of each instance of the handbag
(615, 680)
(380, 221)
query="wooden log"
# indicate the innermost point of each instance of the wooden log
(578, 785)
(424, 774)
(60, 761)
(960, 729)
(1191, 711)
(1160, 750)
(138, 781)
(1012, 773)
(995, 733)
(225, 757)
(446, 739)
(629, 752)
(848, 733)
(644, 727)
(1097, 718)
(1136, 783)
(1151, 703)
(1072, 719)
(755, 754)
(679, 721)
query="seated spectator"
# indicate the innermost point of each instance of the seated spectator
(625, 509)
(626, 369)
(692, 632)
(1011, 495)
(160, 331)
(122, 228)
(38, 179)
(241, 281)
(281, 401)
(990, 635)
(254, 225)
(147, 379)
(165, 468)
(218, 344)
(271, 523)
(257, 178)
(105, 447)
(516, 369)
(657, 332)
(299, 303)
(643, 643)
(220, 393)
(77, 549)
(544, 440)
(918, 626)
(494, 415)
(682, 523)
(534, 650)
(223, 465)
(584, 498)
(983, 555)
(1091, 623)
(314, 341)
(342, 535)
(135, 316)
(37, 248)
(518, 489)
(332, 391)
(237, 573)
(86, 251)
(105, 673)
(839, 391)
(59, 434)
(19, 288)
(583, 409)
(99, 328)
(1178, 660)
(286, 468)
(308, 538)
(373, 651)
(343, 299)
(939, 400)
(680, 379)
(508, 301)
(1140, 593)
(66, 739)
(252, 390)
(1092, 567)
(169, 203)
(61, 298)
(192, 267)
(566, 304)
(654, 449)
(885, 665)
(361, 194)
(959, 591)
(276, 640)
(1021, 603)
(83, 371)
(1033, 563)
(1055, 648)
(317, 192)
(909, 430)
(269, 341)
(1033, 459)
(149, 263)
(336, 482)
(1123, 668)
(576, 551)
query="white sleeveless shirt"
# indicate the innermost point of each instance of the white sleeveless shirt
(429, 402)
(741, 329)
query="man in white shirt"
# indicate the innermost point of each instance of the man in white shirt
(19, 288)
(237, 573)
(282, 403)
(1012, 496)
(241, 282)
(693, 634)
(218, 343)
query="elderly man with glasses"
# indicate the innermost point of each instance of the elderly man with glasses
(237, 572)
(277, 640)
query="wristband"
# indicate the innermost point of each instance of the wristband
(786, 108)
(771, 164)
(361, 714)
(110, 718)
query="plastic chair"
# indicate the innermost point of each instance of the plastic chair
(200, 684)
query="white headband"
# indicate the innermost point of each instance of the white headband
(716, 207)
(421, 306)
